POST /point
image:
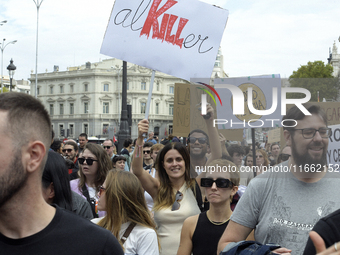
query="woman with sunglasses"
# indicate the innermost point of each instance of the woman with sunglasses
(262, 161)
(172, 190)
(127, 216)
(201, 233)
(94, 164)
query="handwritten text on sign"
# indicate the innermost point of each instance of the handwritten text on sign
(166, 35)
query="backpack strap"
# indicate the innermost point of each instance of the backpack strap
(92, 205)
(198, 196)
(127, 232)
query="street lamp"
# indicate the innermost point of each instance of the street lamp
(37, 3)
(11, 70)
(3, 46)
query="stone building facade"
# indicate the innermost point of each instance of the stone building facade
(87, 98)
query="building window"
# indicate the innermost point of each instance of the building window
(61, 130)
(157, 108)
(142, 107)
(51, 109)
(106, 87)
(86, 128)
(86, 108)
(106, 107)
(51, 90)
(127, 86)
(171, 89)
(143, 85)
(105, 129)
(86, 87)
(171, 109)
(38, 91)
(61, 89)
(157, 86)
(71, 130)
(61, 109)
(71, 108)
(170, 129)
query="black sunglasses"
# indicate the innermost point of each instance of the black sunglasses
(89, 161)
(220, 183)
(68, 150)
(176, 205)
(147, 152)
(201, 140)
(284, 156)
(107, 147)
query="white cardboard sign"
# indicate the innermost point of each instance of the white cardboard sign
(179, 38)
(333, 152)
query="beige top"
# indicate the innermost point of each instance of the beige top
(169, 223)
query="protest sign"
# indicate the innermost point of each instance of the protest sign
(333, 151)
(179, 38)
(187, 116)
(274, 135)
(240, 107)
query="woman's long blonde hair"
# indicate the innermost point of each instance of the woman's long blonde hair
(125, 202)
(166, 195)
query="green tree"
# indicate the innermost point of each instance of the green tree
(5, 90)
(315, 77)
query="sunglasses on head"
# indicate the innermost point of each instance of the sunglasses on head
(89, 161)
(107, 147)
(68, 150)
(220, 183)
(284, 156)
(201, 140)
(176, 205)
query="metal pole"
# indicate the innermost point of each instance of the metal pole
(124, 125)
(2, 65)
(3, 46)
(36, 50)
(10, 84)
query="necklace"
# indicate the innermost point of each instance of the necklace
(216, 223)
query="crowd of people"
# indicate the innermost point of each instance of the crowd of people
(166, 197)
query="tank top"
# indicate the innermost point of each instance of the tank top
(206, 236)
(169, 223)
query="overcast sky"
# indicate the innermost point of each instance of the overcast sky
(261, 37)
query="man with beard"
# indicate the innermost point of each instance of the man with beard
(199, 145)
(70, 152)
(28, 225)
(283, 205)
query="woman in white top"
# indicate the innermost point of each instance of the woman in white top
(172, 189)
(122, 197)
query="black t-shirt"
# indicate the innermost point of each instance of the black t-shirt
(206, 236)
(67, 234)
(329, 229)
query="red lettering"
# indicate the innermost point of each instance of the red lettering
(182, 23)
(170, 38)
(153, 15)
(163, 26)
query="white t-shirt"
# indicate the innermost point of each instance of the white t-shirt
(142, 240)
